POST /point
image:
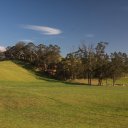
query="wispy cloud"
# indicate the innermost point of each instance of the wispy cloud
(89, 35)
(2, 49)
(43, 29)
(26, 40)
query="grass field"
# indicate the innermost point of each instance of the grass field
(28, 102)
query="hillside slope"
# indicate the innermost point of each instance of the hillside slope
(10, 71)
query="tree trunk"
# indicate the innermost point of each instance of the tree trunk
(106, 81)
(88, 79)
(114, 80)
(100, 81)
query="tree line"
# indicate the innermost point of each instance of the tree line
(86, 62)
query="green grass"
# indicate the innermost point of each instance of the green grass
(27, 102)
(10, 71)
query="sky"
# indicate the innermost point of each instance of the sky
(67, 23)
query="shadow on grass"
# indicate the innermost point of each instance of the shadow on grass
(41, 76)
(74, 83)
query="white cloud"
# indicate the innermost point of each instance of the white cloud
(2, 49)
(26, 40)
(89, 35)
(43, 29)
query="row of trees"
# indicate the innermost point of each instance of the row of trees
(86, 62)
(93, 62)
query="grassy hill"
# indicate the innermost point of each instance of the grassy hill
(10, 71)
(26, 102)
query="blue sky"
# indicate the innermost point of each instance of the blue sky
(67, 23)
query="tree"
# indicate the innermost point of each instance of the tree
(30, 52)
(63, 72)
(117, 65)
(41, 52)
(18, 50)
(52, 54)
(87, 55)
(74, 64)
(102, 60)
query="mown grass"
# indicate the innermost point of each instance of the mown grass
(34, 103)
(10, 71)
